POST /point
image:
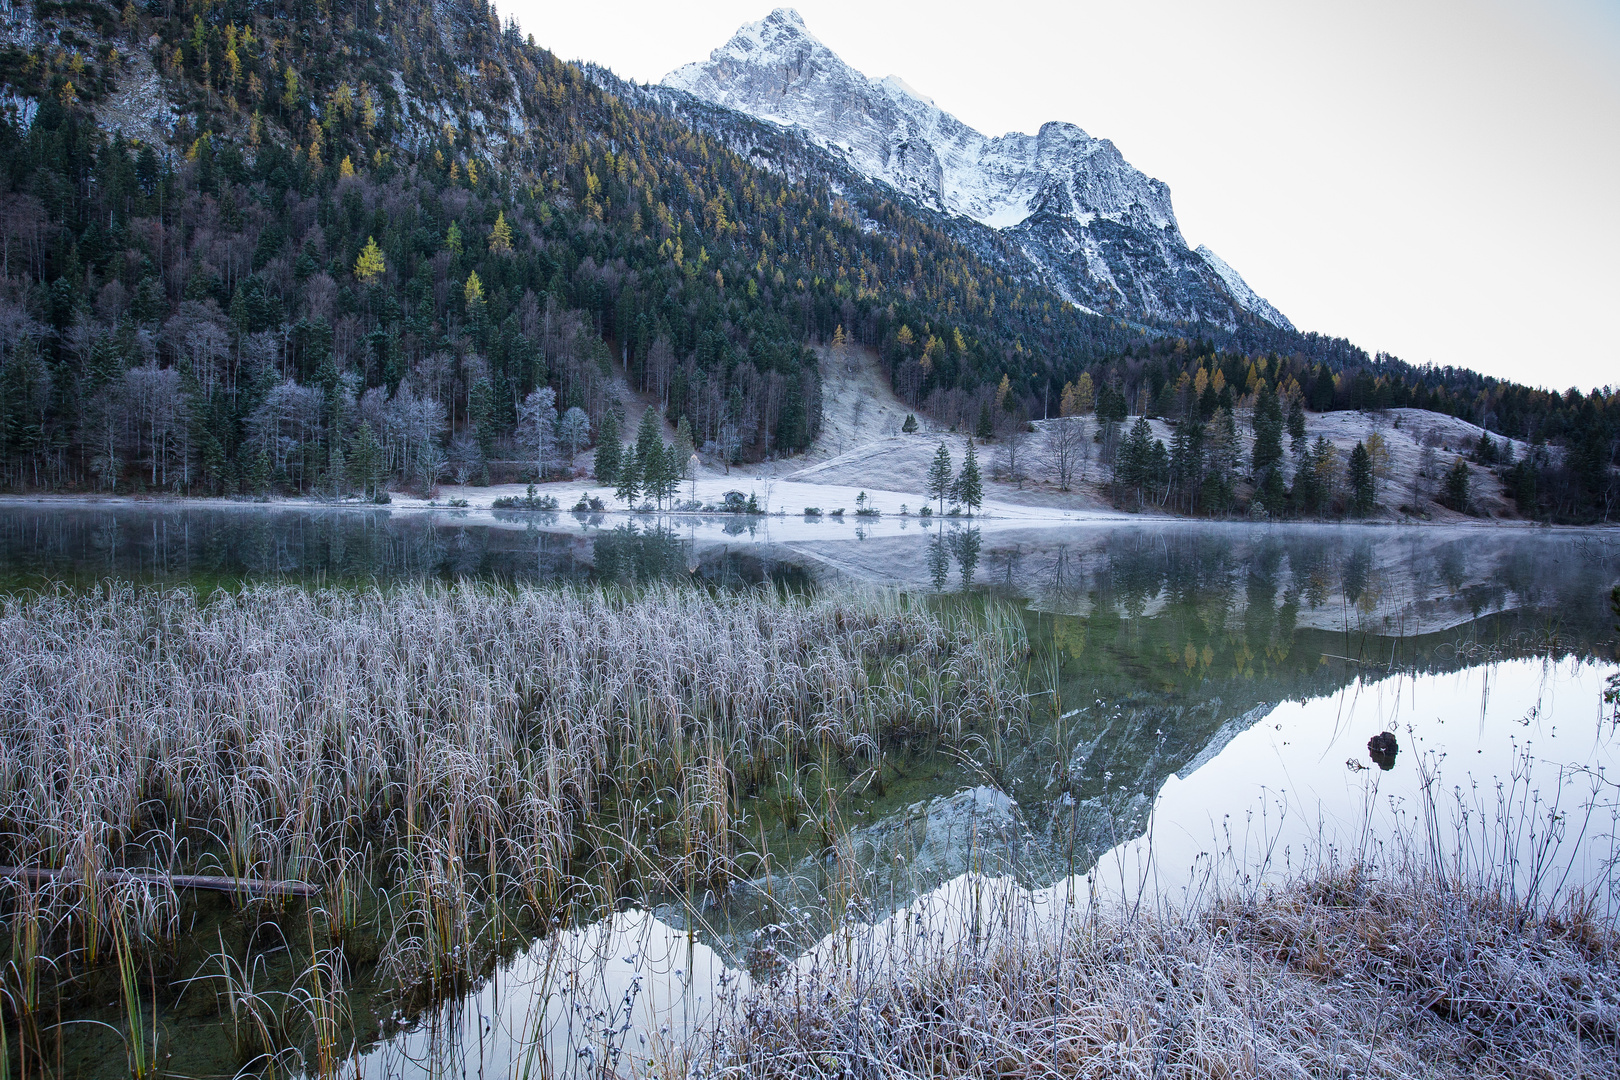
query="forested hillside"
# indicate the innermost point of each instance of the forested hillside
(380, 227)
(1209, 394)
(263, 245)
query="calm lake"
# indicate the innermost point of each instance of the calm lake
(1201, 692)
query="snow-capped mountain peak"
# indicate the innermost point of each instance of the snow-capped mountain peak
(772, 32)
(897, 86)
(1104, 234)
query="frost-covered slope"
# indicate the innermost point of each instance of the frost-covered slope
(1100, 231)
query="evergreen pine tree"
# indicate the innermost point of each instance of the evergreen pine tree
(682, 451)
(338, 470)
(1270, 491)
(970, 485)
(649, 437)
(608, 450)
(986, 428)
(1296, 425)
(1131, 463)
(650, 458)
(628, 477)
(1361, 481)
(1307, 491)
(1111, 412)
(1158, 468)
(481, 418)
(661, 475)
(1219, 462)
(1187, 462)
(939, 476)
(1325, 467)
(1522, 485)
(363, 465)
(1111, 405)
(1454, 490)
(258, 477)
(910, 425)
(1268, 429)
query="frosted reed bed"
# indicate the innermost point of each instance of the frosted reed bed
(453, 766)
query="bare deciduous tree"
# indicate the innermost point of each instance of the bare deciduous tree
(417, 422)
(289, 417)
(19, 332)
(199, 336)
(1064, 442)
(153, 406)
(537, 426)
(573, 432)
(466, 459)
(1012, 455)
(22, 224)
(660, 366)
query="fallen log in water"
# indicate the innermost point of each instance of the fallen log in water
(178, 881)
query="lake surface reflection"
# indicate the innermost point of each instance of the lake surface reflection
(1201, 691)
(1395, 582)
(1503, 773)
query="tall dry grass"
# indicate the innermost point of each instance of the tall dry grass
(457, 751)
(1339, 972)
(1489, 947)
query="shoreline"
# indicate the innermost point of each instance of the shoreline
(997, 514)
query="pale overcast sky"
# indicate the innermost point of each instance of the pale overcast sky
(1435, 178)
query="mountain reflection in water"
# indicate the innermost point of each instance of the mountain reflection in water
(1190, 683)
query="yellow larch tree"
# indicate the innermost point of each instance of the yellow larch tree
(500, 236)
(370, 265)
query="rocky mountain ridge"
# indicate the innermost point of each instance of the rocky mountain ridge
(1099, 231)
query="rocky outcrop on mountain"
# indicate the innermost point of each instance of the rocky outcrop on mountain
(1096, 229)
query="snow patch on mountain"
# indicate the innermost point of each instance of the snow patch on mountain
(1104, 233)
(1251, 300)
(896, 85)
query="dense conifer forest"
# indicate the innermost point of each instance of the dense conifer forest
(393, 242)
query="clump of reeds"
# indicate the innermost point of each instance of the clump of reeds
(458, 747)
(1338, 972)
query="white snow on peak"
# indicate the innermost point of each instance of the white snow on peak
(776, 70)
(1246, 297)
(754, 40)
(896, 85)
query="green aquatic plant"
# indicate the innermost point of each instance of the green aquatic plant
(141, 1044)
